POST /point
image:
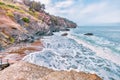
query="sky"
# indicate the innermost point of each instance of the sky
(85, 12)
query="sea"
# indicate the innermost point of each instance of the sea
(98, 54)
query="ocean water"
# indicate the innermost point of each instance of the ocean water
(99, 54)
(105, 39)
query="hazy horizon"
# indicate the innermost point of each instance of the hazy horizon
(85, 12)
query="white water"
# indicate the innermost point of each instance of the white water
(101, 52)
(66, 53)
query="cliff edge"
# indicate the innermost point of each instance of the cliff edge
(24, 21)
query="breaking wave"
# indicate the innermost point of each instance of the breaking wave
(66, 53)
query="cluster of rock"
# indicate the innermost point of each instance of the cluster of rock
(27, 71)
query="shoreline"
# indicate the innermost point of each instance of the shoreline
(99, 51)
(59, 33)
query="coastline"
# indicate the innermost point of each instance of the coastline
(38, 46)
(57, 41)
(21, 26)
(99, 51)
(29, 44)
(63, 53)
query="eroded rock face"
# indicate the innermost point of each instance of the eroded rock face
(13, 29)
(18, 23)
(26, 71)
(8, 29)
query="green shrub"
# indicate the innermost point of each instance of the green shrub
(26, 20)
(12, 40)
(54, 20)
(12, 6)
(2, 3)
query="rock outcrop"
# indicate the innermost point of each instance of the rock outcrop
(64, 34)
(89, 34)
(27, 71)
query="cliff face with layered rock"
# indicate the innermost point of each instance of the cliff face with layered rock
(27, 71)
(21, 22)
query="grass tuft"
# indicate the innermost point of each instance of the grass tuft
(26, 20)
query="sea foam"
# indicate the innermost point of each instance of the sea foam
(63, 53)
(100, 49)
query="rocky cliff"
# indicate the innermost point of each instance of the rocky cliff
(27, 71)
(22, 24)
(24, 21)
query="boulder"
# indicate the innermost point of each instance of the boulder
(89, 34)
(27, 71)
(64, 34)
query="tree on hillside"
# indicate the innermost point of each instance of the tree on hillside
(33, 5)
(43, 7)
(26, 2)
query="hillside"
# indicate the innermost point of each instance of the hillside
(25, 21)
